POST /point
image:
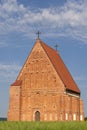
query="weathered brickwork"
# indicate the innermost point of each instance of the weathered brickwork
(40, 94)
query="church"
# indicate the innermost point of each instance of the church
(44, 89)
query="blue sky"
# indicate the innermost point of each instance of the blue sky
(62, 22)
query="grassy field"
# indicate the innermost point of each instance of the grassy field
(43, 125)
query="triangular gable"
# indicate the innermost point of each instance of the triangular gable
(59, 66)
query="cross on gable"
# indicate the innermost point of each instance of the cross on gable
(56, 46)
(38, 33)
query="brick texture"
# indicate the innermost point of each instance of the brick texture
(40, 94)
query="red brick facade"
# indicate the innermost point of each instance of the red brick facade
(41, 93)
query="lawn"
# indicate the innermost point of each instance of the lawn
(43, 125)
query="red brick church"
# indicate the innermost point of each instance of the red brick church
(44, 89)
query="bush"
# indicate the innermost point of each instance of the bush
(85, 118)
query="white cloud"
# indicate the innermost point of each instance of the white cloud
(67, 20)
(81, 78)
(3, 44)
(8, 72)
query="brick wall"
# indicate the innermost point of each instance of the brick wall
(14, 106)
(42, 91)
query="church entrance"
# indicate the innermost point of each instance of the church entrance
(37, 116)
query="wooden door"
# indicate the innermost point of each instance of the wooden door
(37, 116)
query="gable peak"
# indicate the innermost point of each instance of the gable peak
(38, 40)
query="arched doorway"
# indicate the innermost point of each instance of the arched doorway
(37, 116)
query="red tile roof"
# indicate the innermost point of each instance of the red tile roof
(60, 68)
(17, 83)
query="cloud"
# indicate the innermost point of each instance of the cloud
(3, 44)
(8, 72)
(67, 20)
(81, 78)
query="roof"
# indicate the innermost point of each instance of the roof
(60, 68)
(17, 83)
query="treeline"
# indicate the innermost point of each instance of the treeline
(3, 119)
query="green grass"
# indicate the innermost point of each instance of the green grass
(43, 125)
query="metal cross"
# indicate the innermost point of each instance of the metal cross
(56, 46)
(38, 33)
